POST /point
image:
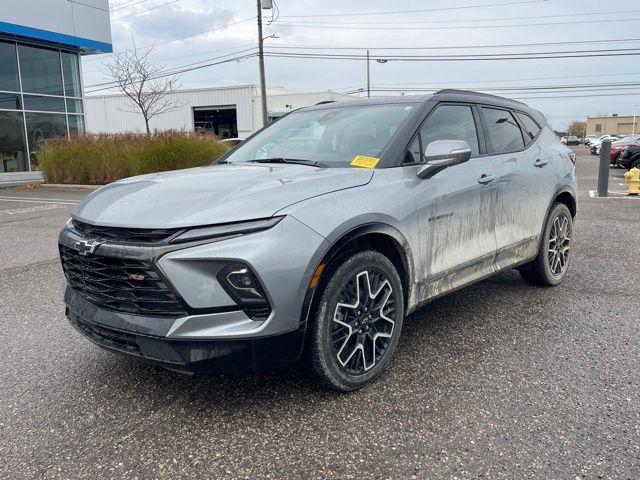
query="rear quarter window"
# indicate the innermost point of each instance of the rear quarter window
(531, 128)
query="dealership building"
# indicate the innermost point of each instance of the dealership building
(228, 112)
(41, 42)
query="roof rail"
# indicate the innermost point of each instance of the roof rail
(324, 102)
(469, 92)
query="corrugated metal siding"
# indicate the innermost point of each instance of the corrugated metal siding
(115, 113)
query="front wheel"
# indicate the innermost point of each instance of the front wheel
(554, 254)
(357, 322)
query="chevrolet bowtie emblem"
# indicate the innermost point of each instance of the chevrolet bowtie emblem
(85, 247)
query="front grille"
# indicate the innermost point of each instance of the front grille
(124, 235)
(120, 284)
(111, 338)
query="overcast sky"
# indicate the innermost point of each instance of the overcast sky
(351, 23)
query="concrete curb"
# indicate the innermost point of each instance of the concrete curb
(70, 187)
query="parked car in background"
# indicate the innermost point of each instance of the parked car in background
(630, 157)
(594, 146)
(618, 146)
(285, 249)
(570, 140)
(589, 138)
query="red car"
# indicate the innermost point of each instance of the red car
(617, 147)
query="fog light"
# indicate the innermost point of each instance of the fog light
(242, 285)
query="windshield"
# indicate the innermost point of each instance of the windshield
(331, 137)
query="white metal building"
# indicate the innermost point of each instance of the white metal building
(227, 112)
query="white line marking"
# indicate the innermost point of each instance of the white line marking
(613, 194)
(39, 208)
(10, 197)
(37, 201)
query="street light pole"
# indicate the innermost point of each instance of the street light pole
(263, 86)
(635, 109)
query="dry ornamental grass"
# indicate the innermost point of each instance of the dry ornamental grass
(100, 159)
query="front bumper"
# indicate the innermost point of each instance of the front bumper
(122, 334)
(216, 334)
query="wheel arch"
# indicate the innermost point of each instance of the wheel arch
(376, 236)
(567, 197)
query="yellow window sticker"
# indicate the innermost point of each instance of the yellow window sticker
(365, 162)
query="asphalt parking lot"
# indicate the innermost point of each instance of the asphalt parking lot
(499, 380)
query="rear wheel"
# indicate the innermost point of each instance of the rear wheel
(554, 254)
(358, 321)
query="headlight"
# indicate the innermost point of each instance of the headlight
(227, 229)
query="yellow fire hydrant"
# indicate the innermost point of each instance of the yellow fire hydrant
(633, 180)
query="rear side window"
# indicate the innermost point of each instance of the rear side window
(451, 122)
(503, 130)
(531, 128)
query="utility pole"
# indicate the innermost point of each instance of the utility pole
(368, 77)
(635, 109)
(263, 86)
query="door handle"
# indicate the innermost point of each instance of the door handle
(484, 179)
(541, 162)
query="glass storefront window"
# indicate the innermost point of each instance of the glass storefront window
(42, 126)
(71, 72)
(40, 70)
(44, 104)
(13, 153)
(74, 106)
(8, 67)
(76, 125)
(10, 101)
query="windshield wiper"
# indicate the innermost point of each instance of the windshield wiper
(298, 161)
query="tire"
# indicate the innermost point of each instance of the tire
(635, 163)
(549, 268)
(348, 350)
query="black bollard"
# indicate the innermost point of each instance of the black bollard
(603, 172)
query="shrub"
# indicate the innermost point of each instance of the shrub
(100, 159)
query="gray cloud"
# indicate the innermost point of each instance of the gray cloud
(187, 17)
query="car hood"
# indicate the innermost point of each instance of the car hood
(211, 195)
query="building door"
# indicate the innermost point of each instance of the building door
(221, 121)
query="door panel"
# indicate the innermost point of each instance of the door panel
(456, 207)
(456, 216)
(525, 187)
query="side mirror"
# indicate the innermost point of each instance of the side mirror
(442, 154)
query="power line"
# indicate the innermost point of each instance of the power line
(145, 11)
(469, 57)
(450, 47)
(390, 27)
(529, 17)
(127, 6)
(308, 15)
(175, 39)
(357, 88)
(179, 70)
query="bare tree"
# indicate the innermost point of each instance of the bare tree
(578, 128)
(144, 83)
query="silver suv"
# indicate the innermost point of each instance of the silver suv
(319, 234)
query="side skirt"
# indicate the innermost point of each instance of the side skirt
(474, 271)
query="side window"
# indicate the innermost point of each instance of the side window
(531, 128)
(451, 122)
(503, 130)
(413, 152)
